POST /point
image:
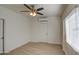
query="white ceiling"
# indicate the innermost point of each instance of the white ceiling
(49, 9)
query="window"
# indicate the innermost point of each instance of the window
(72, 29)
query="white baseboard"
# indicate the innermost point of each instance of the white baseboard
(7, 51)
(46, 42)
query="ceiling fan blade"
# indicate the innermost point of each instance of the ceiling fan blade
(27, 7)
(39, 9)
(24, 11)
(39, 13)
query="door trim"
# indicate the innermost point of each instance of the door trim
(3, 46)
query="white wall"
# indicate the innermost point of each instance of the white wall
(66, 47)
(20, 29)
(54, 31)
(17, 29)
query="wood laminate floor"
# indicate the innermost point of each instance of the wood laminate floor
(38, 49)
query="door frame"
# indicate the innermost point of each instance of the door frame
(3, 46)
(46, 33)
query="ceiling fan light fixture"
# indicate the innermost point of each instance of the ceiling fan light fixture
(33, 13)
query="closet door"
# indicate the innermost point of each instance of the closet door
(43, 32)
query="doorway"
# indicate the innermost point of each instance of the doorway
(1, 36)
(43, 31)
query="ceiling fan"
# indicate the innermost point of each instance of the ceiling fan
(32, 10)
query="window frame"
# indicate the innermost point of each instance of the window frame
(66, 18)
